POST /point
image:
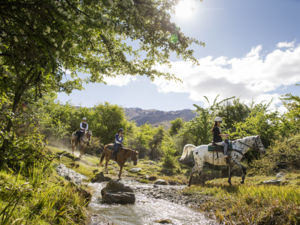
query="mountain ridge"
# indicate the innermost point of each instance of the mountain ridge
(157, 117)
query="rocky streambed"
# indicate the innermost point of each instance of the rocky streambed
(154, 204)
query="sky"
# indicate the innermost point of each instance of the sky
(252, 52)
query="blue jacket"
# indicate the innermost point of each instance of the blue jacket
(118, 139)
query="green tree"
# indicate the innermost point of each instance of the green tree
(291, 119)
(233, 112)
(141, 138)
(260, 122)
(176, 125)
(200, 127)
(41, 40)
(155, 144)
(106, 121)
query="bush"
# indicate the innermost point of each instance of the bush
(23, 153)
(169, 160)
(281, 155)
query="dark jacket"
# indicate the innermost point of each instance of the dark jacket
(216, 134)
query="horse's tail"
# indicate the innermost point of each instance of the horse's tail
(102, 157)
(187, 156)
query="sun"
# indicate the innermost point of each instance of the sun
(185, 10)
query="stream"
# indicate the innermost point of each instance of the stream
(148, 209)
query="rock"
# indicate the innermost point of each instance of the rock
(161, 182)
(118, 193)
(271, 182)
(135, 170)
(70, 174)
(163, 221)
(152, 178)
(100, 178)
(280, 175)
(147, 177)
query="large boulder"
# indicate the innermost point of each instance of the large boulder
(117, 193)
(100, 178)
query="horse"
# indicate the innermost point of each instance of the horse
(197, 156)
(81, 145)
(122, 156)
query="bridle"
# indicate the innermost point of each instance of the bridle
(249, 146)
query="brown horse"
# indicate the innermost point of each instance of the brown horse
(122, 156)
(84, 141)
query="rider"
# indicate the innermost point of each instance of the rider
(217, 135)
(118, 142)
(83, 128)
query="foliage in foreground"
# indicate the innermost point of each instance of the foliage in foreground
(40, 198)
(251, 203)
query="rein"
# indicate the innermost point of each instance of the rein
(249, 146)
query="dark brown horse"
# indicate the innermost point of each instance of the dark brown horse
(122, 156)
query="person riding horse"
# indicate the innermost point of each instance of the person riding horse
(118, 142)
(83, 128)
(218, 135)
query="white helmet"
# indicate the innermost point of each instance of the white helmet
(218, 119)
(84, 118)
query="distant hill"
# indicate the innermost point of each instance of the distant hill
(157, 117)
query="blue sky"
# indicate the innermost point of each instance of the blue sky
(252, 52)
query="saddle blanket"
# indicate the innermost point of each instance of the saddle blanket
(218, 148)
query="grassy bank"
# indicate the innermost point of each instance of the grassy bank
(251, 203)
(41, 198)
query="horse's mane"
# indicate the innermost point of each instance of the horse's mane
(244, 138)
(129, 149)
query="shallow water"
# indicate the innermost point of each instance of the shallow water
(146, 210)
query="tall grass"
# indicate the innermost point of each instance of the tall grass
(40, 198)
(251, 203)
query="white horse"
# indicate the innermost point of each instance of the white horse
(199, 155)
(84, 141)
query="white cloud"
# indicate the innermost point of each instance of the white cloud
(250, 77)
(119, 80)
(285, 44)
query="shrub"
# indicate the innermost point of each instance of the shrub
(281, 155)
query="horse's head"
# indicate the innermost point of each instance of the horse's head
(259, 145)
(252, 142)
(134, 157)
(89, 134)
(187, 156)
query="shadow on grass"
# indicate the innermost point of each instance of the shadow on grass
(225, 187)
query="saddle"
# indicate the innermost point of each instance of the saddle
(111, 148)
(212, 147)
(218, 148)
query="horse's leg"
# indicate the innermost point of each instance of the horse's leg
(191, 177)
(120, 172)
(229, 174)
(106, 163)
(244, 170)
(194, 170)
(73, 146)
